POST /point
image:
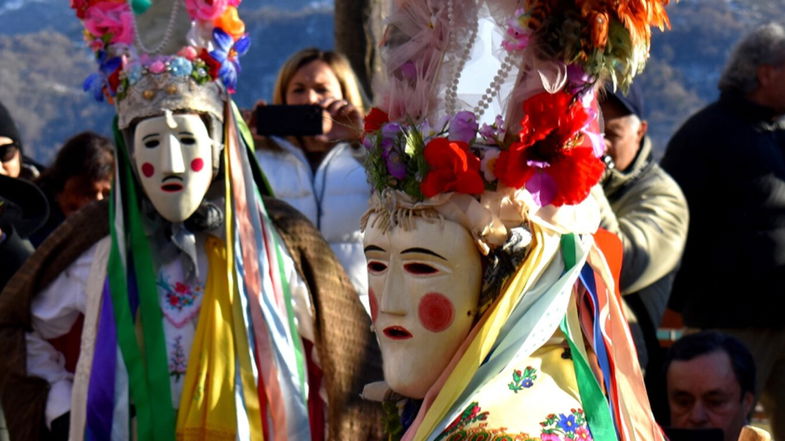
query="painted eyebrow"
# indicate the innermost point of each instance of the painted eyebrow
(184, 133)
(373, 248)
(423, 251)
(147, 136)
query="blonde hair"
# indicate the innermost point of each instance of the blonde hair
(338, 63)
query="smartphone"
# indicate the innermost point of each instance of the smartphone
(694, 434)
(285, 120)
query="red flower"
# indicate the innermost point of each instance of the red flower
(549, 159)
(213, 65)
(452, 167)
(375, 119)
(181, 288)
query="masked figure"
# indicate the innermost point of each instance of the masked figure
(491, 293)
(191, 306)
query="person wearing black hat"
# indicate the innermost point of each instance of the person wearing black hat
(644, 206)
(13, 163)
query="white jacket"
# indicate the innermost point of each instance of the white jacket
(334, 199)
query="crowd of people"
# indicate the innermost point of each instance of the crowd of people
(335, 232)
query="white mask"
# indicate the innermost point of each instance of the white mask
(173, 156)
(424, 293)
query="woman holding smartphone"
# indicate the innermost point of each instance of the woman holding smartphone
(322, 175)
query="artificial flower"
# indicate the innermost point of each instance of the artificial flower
(518, 33)
(226, 53)
(548, 160)
(188, 52)
(110, 21)
(393, 160)
(492, 134)
(205, 10)
(180, 67)
(157, 66)
(452, 167)
(81, 6)
(105, 81)
(375, 119)
(463, 127)
(212, 65)
(230, 22)
(550, 437)
(488, 163)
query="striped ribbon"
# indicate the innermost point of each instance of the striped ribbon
(145, 360)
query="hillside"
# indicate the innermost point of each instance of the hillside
(43, 61)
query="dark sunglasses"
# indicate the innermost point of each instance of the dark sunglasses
(8, 152)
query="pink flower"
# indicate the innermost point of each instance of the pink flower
(188, 52)
(583, 434)
(108, 18)
(207, 10)
(157, 67)
(550, 437)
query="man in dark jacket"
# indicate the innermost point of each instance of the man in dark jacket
(729, 159)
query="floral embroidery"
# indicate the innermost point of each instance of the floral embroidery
(563, 427)
(178, 296)
(177, 363)
(470, 415)
(522, 380)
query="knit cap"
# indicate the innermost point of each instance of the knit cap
(8, 127)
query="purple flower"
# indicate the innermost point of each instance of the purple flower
(463, 127)
(226, 52)
(492, 134)
(394, 162)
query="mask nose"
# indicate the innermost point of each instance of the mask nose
(394, 296)
(171, 158)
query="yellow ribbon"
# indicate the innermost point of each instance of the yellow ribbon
(484, 339)
(207, 407)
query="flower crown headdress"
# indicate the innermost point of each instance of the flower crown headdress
(428, 146)
(192, 63)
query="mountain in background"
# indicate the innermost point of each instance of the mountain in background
(43, 61)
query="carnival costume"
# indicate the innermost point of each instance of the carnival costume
(549, 355)
(208, 310)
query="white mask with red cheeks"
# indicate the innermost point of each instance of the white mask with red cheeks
(424, 292)
(173, 157)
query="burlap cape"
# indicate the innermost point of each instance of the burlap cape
(348, 352)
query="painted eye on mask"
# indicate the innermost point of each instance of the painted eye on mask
(152, 143)
(420, 269)
(188, 140)
(376, 267)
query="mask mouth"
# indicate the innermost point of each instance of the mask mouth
(397, 333)
(172, 184)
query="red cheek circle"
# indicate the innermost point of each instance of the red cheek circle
(436, 312)
(148, 169)
(197, 164)
(374, 305)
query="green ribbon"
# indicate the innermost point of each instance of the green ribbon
(287, 296)
(146, 362)
(595, 405)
